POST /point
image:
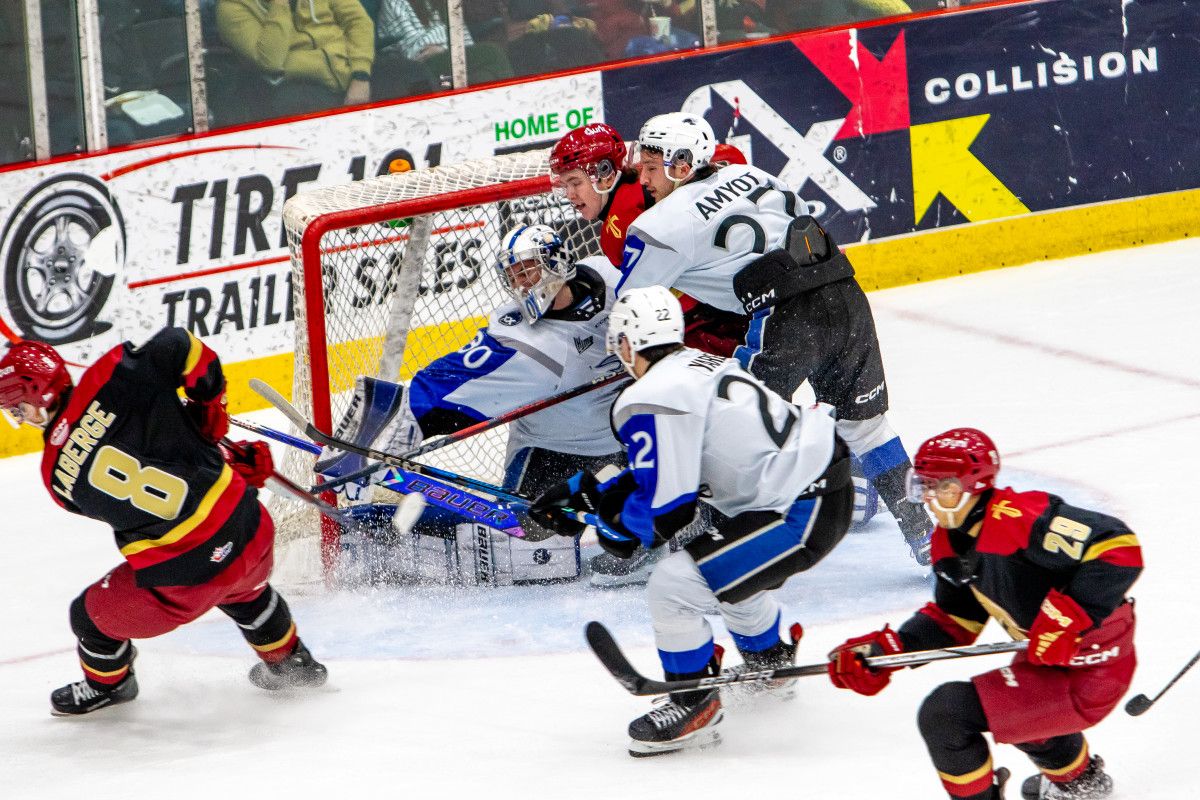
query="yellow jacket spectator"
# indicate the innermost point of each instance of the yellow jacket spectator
(330, 42)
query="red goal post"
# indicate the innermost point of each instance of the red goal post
(390, 273)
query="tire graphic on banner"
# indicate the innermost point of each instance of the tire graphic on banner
(61, 250)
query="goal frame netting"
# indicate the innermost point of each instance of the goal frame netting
(315, 218)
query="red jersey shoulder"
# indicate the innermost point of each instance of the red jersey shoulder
(1009, 518)
(628, 202)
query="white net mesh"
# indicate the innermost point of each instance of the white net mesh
(399, 291)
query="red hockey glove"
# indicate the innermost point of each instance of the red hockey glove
(1054, 635)
(847, 669)
(251, 460)
(211, 418)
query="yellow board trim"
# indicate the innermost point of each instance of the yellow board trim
(970, 777)
(194, 352)
(1100, 548)
(882, 264)
(188, 525)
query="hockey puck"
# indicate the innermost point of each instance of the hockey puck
(408, 511)
(1138, 705)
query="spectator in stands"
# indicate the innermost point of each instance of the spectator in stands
(617, 21)
(415, 27)
(787, 15)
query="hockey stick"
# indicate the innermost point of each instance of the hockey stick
(455, 500)
(279, 436)
(288, 486)
(1140, 704)
(480, 427)
(610, 655)
(294, 416)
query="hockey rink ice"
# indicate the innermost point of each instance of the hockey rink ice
(1086, 373)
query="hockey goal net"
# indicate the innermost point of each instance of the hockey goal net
(389, 274)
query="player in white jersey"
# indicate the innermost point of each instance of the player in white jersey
(737, 239)
(699, 427)
(550, 338)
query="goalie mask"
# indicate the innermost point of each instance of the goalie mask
(33, 378)
(534, 268)
(683, 139)
(950, 471)
(645, 318)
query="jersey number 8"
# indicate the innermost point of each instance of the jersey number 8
(118, 474)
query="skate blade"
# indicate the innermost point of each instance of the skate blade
(703, 739)
(617, 581)
(749, 695)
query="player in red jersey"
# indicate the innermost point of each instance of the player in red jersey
(1048, 572)
(122, 449)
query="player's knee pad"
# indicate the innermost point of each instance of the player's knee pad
(951, 714)
(675, 583)
(86, 631)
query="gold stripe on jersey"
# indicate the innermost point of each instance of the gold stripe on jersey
(968, 624)
(191, 523)
(970, 777)
(1000, 615)
(195, 350)
(1100, 548)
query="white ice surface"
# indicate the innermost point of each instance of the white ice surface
(1085, 371)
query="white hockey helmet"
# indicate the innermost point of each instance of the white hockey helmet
(533, 268)
(645, 318)
(681, 137)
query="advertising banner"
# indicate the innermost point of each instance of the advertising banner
(953, 118)
(113, 247)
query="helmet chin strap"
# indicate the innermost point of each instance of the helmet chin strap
(951, 518)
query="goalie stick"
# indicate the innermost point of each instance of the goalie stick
(453, 499)
(481, 427)
(610, 655)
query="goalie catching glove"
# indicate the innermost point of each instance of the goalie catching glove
(582, 492)
(848, 670)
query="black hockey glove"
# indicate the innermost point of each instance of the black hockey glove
(612, 534)
(580, 492)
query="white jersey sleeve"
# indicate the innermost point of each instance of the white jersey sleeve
(702, 234)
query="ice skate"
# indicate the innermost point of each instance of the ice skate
(1092, 783)
(298, 671)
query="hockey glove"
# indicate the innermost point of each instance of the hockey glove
(211, 417)
(1054, 635)
(847, 669)
(611, 534)
(580, 492)
(251, 460)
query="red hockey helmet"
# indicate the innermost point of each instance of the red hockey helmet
(34, 373)
(597, 149)
(966, 454)
(727, 154)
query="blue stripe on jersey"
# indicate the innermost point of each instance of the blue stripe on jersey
(887, 456)
(746, 353)
(634, 247)
(687, 661)
(430, 387)
(759, 642)
(515, 471)
(638, 434)
(756, 551)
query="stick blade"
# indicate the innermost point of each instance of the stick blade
(605, 647)
(1138, 705)
(272, 396)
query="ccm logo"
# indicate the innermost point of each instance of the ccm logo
(755, 303)
(871, 395)
(1092, 659)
